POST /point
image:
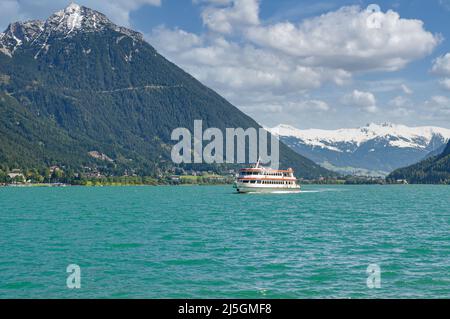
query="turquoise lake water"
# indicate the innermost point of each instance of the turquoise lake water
(207, 242)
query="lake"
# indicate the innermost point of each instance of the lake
(208, 242)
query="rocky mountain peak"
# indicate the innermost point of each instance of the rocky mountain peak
(18, 33)
(65, 23)
(76, 18)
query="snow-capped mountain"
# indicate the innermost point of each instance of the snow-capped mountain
(62, 24)
(373, 149)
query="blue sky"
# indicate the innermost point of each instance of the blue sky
(310, 64)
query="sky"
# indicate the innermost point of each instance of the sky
(309, 64)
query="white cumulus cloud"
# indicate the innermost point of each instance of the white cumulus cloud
(438, 106)
(441, 65)
(237, 13)
(399, 102)
(344, 39)
(229, 66)
(441, 68)
(276, 64)
(362, 100)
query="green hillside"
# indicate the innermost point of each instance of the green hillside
(434, 170)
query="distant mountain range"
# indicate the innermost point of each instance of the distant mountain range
(433, 170)
(370, 150)
(80, 92)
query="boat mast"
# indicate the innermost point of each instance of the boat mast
(257, 163)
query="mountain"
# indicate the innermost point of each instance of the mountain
(436, 152)
(372, 149)
(79, 91)
(434, 170)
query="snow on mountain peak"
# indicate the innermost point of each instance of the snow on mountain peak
(18, 33)
(396, 135)
(65, 23)
(75, 16)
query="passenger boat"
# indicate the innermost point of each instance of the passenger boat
(260, 179)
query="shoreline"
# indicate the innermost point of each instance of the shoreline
(192, 185)
(106, 185)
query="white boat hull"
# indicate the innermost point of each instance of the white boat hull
(240, 188)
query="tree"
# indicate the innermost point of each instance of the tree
(3, 177)
(18, 179)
